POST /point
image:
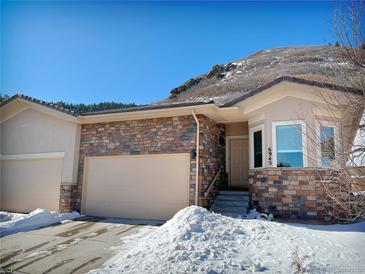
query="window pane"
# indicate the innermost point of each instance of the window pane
(327, 135)
(257, 148)
(289, 146)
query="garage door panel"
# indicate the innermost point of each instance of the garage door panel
(130, 193)
(29, 187)
(143, 186)
(30, 184)
(134, 210)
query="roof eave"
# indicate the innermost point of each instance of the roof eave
(292, 80)
(145, 108)
(170, 111)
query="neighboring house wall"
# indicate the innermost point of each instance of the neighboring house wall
(153, 136)
(34, 139)
(33, 132)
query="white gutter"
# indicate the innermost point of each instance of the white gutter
(196, 158)
(144, 114)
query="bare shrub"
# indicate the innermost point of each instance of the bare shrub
(344, 184)
(298, 261)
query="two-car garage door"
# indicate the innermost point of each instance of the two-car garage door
(136, 186)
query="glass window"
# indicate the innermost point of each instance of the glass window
(327, 135)
(257, 148)
(289, 145)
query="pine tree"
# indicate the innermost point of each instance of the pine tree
(84, 107)
(3, 97)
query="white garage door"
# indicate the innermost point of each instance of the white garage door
(136, 186)
(30, 184)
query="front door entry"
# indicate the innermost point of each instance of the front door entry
(239, 163)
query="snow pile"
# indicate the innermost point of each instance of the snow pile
(195, 240)
(7, 216)
(253, 214)
(34, 220)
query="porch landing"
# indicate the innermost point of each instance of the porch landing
(236, 188)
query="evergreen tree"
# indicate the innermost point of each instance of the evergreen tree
(86, 107)
(95, 106)
(3, 97)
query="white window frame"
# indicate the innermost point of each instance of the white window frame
(337, 140)
(251, 146)
(304, 140)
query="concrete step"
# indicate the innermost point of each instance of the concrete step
(234, 193)
(232, 197)
(229, 208)
(232, 202)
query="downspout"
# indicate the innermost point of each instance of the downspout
(196, 158)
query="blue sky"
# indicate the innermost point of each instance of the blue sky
(138, 51)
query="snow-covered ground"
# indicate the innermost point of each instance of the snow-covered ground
(13, 223)
(195, 240)
(7, 216)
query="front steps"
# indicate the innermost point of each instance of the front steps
(231, 203)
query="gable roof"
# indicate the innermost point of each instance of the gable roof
(292, 80)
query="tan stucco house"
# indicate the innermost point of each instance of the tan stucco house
(149, 162)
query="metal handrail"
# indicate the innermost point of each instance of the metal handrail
(212, 183)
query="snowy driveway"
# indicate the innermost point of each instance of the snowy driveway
(72, 247)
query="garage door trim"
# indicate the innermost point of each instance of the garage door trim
(31, 156)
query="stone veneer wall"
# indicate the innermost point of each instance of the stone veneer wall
(212, 156)
(70, 198)
(289, 193)
(151, 136)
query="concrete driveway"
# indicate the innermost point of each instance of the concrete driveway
(73, 247)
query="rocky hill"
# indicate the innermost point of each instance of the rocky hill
(228, 81)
